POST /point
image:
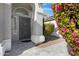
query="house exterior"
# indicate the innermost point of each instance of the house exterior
(20, 20)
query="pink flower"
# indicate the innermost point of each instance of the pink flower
(76, 47)
(76, 40)
(71, 20)
(73, 33)
(57, 23)
(64, 29)
(57, 8)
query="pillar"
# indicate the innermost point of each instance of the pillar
(37, 33)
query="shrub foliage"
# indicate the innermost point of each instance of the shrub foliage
(67, 16)
(48, 29)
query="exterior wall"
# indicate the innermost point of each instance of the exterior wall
(32, 17)
(36, 22)
(37, 18)
(37, 36)
(1, 28)
(1, 22)
(5, 28)
(39, 24)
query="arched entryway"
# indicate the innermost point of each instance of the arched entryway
(12, 13)
(21, 22)
(21, 28)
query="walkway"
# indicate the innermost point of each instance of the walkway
(55, 47)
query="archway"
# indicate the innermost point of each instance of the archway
(20, 14)
(8, 10)
(21, 22)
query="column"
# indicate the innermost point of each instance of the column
(37, 34)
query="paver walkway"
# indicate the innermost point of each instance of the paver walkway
(52, 48)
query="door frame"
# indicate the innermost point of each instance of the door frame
(17, 24)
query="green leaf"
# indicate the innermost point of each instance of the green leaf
(78, 22)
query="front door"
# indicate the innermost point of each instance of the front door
(24, 28)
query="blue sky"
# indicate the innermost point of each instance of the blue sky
(47, 8)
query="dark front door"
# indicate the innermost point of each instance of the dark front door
(24, 28)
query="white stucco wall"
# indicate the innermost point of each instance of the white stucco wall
(6, 43)
(38, 29)
(5, 28)
(37, 36)
(7, 17)
(38, 20)
(1, 28)
(1, 22)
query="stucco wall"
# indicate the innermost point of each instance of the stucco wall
(5, 28)
(5, 22)
(7, 19)
(38, 24)
(2, 15)
(38, 20)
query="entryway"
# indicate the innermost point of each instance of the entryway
(24, 28)
(21, 26)
(10, 35)
(21, 23)
(21, 29)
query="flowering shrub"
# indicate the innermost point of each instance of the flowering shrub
(48, 29)
(67, 16)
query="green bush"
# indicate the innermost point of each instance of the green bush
(48, 29)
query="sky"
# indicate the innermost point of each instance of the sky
(47, 8)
